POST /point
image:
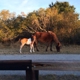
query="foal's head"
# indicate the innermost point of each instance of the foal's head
(34, 38)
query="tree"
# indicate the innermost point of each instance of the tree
(63, 7)
(5, 15)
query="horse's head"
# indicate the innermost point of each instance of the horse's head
(58, 46)
(55, 39)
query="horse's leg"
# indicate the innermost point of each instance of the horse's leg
(51, 46)
(35, 45)
(47, 47)
(21, 47)
(37, 48)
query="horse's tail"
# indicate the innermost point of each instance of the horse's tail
(20, 40)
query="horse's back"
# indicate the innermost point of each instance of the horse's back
(26, 41)
(46, 36)
(43, 36)
(23, 40)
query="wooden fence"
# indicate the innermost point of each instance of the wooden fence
(32, 67)
(55, 66)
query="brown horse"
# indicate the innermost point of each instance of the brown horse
(48, 38)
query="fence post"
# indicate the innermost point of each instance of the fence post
(32, 75)
(35, 74)
(28, 74)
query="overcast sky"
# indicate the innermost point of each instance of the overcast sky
(27, 6)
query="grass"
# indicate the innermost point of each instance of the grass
(14, 49)
(45, 77)
(5, 77)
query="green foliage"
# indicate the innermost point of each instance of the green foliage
(63, 7)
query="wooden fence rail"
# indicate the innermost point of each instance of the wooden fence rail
(18, 65)
(32, 67)
(55, 65)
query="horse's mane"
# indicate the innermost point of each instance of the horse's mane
(55, 38)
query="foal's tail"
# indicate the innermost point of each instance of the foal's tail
(16, 39)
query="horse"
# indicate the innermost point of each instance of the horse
(28, 41)
(48, 38)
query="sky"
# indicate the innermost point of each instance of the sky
(28, 6)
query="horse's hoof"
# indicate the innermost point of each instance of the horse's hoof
(46, 50)
(30, 51)
(51, 50)
(33, 51)
(38, 50)
(20, 52)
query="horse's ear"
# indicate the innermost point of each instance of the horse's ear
(34, 37)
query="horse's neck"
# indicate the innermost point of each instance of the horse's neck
(55, 38)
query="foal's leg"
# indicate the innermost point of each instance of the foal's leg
(21, 47)
(31, 48)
